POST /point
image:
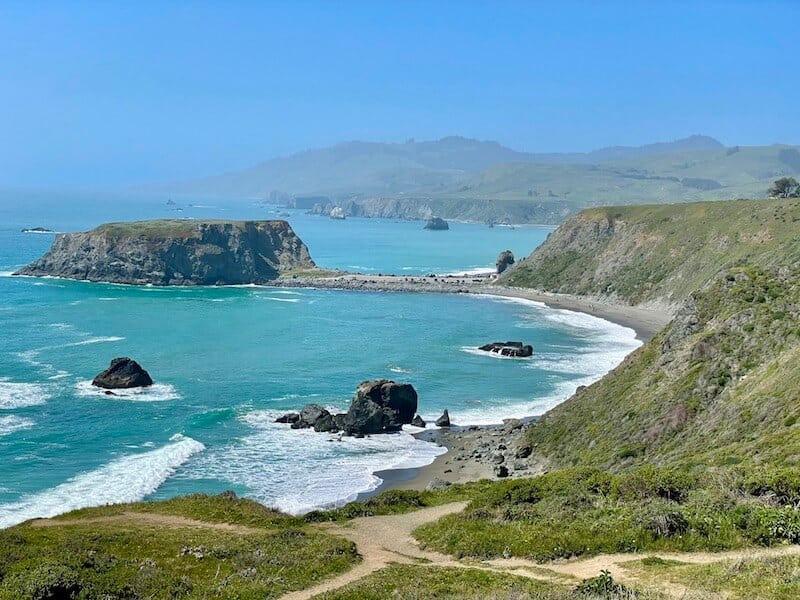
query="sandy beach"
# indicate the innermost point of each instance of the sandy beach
(480, 452)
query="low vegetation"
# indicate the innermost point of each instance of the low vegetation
(229, 549)
(585, 511)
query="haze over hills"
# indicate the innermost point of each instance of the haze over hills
(454, 177)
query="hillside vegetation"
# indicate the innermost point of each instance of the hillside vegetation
(641, 254)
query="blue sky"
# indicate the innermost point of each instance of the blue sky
(97, 94)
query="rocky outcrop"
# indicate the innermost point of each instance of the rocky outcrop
(337, 212)
(444, 420)
(418, 421)
(511, 349)
(378, 406)
(436, 224)
(123, 373)
(176, 252)
(504, 260)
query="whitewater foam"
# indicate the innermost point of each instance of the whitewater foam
(301, 470)
(129, 478)
(475, 350)
(273, 299)
(158, 392)
(11, 423)
(19, 395)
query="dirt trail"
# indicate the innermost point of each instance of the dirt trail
(151, 519)
(386, 540)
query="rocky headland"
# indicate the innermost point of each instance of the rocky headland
(176, 252)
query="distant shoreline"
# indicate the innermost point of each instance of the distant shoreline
(646, 322)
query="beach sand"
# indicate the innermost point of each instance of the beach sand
(481, 452)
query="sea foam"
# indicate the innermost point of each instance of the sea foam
(158, 392)
(128, 478)
(20, 395)
(301, 470)
(11, 423)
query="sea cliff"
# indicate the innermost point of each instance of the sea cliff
(176, 252)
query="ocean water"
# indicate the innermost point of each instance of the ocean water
(227, 361)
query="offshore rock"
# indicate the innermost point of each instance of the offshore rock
(444, 420)
(176, 252)
(504, 260)
(418, 421)
(436, 224)
(310, 414)
(123, 373)
(380, 406)
(512, 349)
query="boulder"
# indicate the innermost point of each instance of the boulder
(438, 484)
(504, 260)
(380, 406)
(501, 471)
(310, 415)
(418, 421)
(444, 420)
(436, 224)
(291, 417)
(511, 349)
(123, 373)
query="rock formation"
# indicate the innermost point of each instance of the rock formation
(176, 252)
(512, 349)
(378, 406)
(418, 421)
(337, 212)
(122, 374)
(504, 260)
(436, 224)
(444, 420)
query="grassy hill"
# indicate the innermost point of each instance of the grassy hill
(662, 253)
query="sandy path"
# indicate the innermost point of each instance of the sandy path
(386, 540)
(151, 519)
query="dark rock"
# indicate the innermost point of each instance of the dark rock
(229, 495)
(444, 420)
(325, 423)
(501, 471)
(339, 420)
(523, 452)
(291, 417)
(498, 459)
(310, 415)
(418, 421)
(504, 260)
(512, 349)
(436, 224)
(380, 406)
(37, 230)
(123, 373)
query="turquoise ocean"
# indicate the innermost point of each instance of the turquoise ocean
(227, 361)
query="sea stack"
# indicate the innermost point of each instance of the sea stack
(436, 224)
(124, 373)
(176, 252)
(504, 260)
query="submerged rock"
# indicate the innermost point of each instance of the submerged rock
(123, 373)
(444, 420)
(436, 224)
(512, 349)
(291, 417)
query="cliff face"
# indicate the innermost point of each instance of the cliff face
(176, 252)
(640, 254)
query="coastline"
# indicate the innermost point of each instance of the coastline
(479, 452)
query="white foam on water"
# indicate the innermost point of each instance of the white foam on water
(273, 299)
(11, 423)
(128, 478)
(61, 326)
(478, 352)
(94, 340)
(158, 392)
(287, 292)
(108, 299)
(19, 395)
(301, 470)
(59, 375)
(6, 273)
(471, 271)
(396, 369)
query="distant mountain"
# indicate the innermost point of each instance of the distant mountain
(372, 168)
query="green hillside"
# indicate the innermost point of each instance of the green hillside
(660, 253)
(717, 387)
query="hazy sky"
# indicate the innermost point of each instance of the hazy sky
(105, 93)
